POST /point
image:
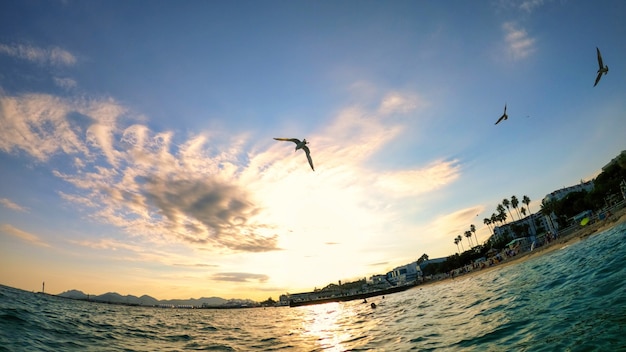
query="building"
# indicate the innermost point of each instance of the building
(561, 193)
(425, 263)
(405, 274)
(536, 225)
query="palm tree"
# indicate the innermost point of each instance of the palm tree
(526, 201)
(473, 229)
(494, 218)
(523, 210)
(506, 203)
(460, 241)
(468, 235)
(514, 204)
(501, 213)
(487, 222)
(502, 217)
(456, 241)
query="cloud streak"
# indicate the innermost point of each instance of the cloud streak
(21, 234)
(240, 277)
(7, 203)
(43, 125)
(54, 56)
(520, 44)
(530, 5)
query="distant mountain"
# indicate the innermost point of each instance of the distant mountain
(145, 300)
(74, 294)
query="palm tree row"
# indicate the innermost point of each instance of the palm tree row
(502, 208)
(499, 217)
(468, 234)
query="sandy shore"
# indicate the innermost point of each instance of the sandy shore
(576, 236)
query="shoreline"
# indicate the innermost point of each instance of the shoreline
(576, 236)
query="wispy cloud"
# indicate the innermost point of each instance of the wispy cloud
(397, 102)
(7, 203)
(198, 265)
(527, 6)
(43, 125)
(530, 5)
(520, 44)
(133, 250)
(51, 56)
(218, 195)
(239, 277)
(65, 83)
(448, 226)
(26, 236)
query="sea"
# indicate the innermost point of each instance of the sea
(570, 299)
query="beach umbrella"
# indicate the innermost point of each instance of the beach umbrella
(584, 221)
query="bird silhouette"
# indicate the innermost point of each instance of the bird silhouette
(300, 145)
(601, 69)
(504, 116)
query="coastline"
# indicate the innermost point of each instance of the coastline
(576, 236)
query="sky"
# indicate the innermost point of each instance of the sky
(137, 151)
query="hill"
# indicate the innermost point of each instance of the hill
(145, 300)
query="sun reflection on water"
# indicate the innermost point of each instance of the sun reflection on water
(322, 323)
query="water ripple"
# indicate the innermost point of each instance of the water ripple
(570, 299)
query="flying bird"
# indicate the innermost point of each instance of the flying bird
(602, 69)
(300, 145)
(503, 117)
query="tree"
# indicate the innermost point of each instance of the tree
(514, 204)
(493, 219)
(473, 229)
(507, 204)
(501, 213)
(461, 242)
(523, 210)
(268, 302)
(526, 201)
(487, 221)
(456, 241)
(468, 235)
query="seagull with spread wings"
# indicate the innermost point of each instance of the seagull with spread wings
(300, 145)
(602, 68)
(503, 117)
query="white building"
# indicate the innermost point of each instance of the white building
(561, 193)
(404, 274)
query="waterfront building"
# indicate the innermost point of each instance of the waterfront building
(532, 226)
(404, 274)
(561, 193)
(377, 280)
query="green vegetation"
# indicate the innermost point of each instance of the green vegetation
(606, 192)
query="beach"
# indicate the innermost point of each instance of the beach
(580, 234)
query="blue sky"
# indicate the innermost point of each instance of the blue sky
(137, 150)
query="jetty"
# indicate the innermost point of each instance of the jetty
(302, 299)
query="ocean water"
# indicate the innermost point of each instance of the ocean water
(572, 299)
